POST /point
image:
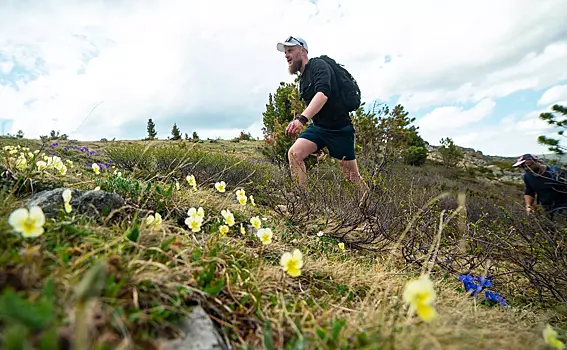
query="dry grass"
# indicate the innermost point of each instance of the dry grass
(153, 280)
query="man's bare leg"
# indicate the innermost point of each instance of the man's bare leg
(349, 169)
(297, 153)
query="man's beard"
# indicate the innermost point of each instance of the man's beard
(294, 67)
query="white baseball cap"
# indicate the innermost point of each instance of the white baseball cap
(292, 41)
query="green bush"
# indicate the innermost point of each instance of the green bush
(415, 155)
(131, 156)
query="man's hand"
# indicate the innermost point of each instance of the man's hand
(293, 128)
(529, 210)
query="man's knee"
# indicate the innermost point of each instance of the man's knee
(295, 154)
(301, 150)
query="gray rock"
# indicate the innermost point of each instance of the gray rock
(199, 333)
(87, 202)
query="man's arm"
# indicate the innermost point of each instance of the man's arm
(529, 202)
(529, 195)
(315, 105)
(321, 73)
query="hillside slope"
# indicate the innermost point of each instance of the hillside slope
(351, 286)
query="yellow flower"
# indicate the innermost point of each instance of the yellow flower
(41, 165)
(192, 182)
(550, 337)
(242, 199)
(196, 212)
(292, 262)
(223, 229)
(28, 223)
(194, 223)
(220, 186)
(66, 195)
(256, 222)
(21, 163)
(96, 168)
(341, 246)
(177, 185)
(265, 235)
(242, 229)
(240, 193)
(97, 188)
(62, 168)
(67, 200)
(228, 217)
(252, 201)
(154, 221)
(420, 295)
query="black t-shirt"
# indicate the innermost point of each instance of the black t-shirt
(318, 76)
(550, 187)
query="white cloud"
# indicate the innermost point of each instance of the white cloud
(176, 60)
(510, 136)
(556, 94)
(443, 118)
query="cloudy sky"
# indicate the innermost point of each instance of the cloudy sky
(477, 71)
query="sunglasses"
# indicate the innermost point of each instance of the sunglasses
(294, 39)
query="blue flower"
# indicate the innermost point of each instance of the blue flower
(484, 282)
(477, 284)
(469, 284)
(495, 297)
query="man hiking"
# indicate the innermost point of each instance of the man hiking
(331, 127)
(548, 183)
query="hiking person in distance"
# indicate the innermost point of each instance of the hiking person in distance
(330, 93)
(548, 183)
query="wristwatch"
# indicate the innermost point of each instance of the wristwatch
(303, 119)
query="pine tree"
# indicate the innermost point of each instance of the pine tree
(175, 132)
(450, 153)
(552, 119)
(281, 108)
(151, 130)
(385, 134)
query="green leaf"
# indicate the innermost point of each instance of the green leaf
(321, 333)
(215, 287)
(268, 337)
(133, 233)
(336, 330)
(92, 283)
(14, 308)
(50, 340)
(15, 338)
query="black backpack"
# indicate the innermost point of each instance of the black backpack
(349, 90)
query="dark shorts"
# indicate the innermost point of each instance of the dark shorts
(340, 143)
